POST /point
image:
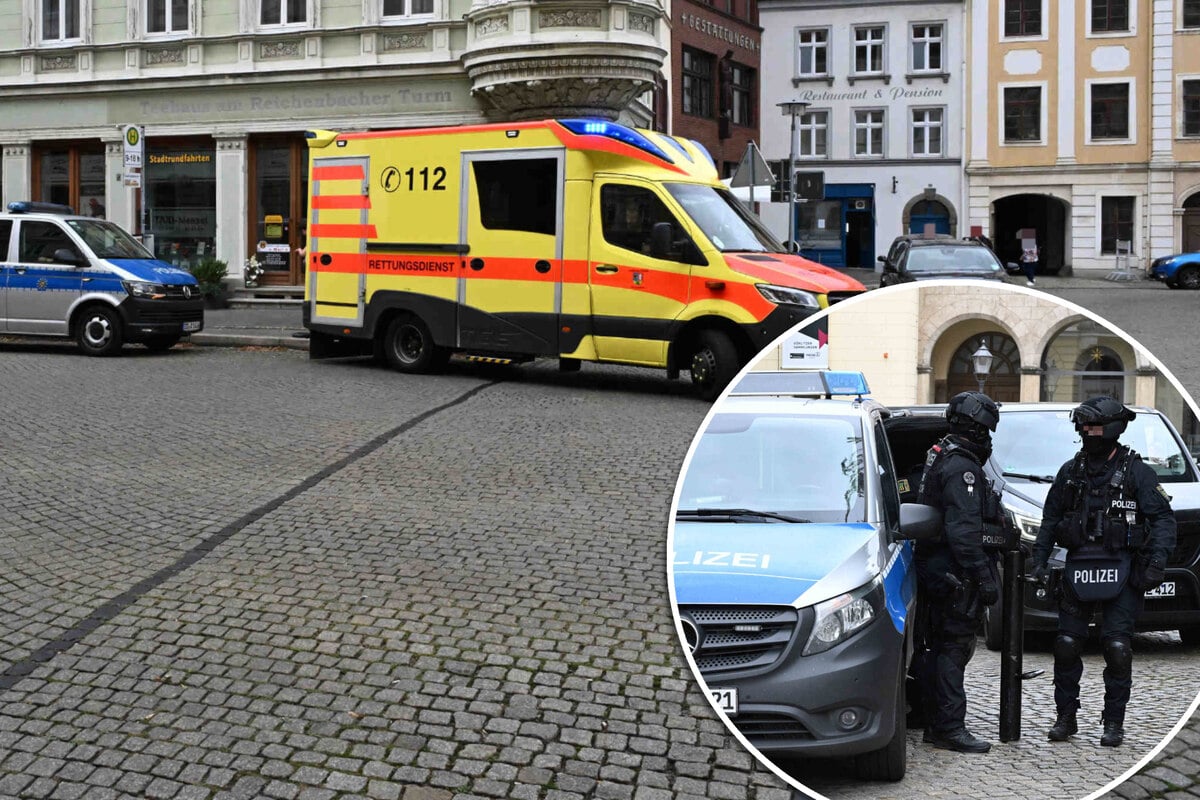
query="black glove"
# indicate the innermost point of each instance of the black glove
(1040, 574)
(1153, 575)
(988, 592)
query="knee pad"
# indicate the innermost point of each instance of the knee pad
(1118, 655)
(1067, 647)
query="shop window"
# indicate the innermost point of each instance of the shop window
(814, 134)
(1022, 114)
(1191, 108)
(180, 201)
(407, 8)
(167, 16)
(72, 175)
(1110, 111)
(926, 48)
(1116, 222)
(698, 83)
(1022, 18)
(1110, 16)
(283, 12)
(819, 224)
(278, 208)
(518, 194)
(60, 20)
(813, 53)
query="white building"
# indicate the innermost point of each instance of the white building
(884, 122)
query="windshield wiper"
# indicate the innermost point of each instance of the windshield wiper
(1026, 476)
(733, 513)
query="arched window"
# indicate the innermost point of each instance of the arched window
(1003, 381)
(1087, 360)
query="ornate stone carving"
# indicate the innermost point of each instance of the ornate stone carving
(405, 41)
(231, 142)
(641, 23)
(58, 63)
(491, 25)
(288, 49)
(154, 58)
(570, 18)
(16, 150)
(548, 87)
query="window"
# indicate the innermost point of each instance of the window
(39, 241)
(927, 131)
(1110, 16)
(60, 20)
(1191, 13)
(5, 235)
(926, 48)
(819, 224)
(1022, 17)
(518, 194)
(1191, 108)
(697, 83)
(407, 8)
(283, 12)
(868, 50)
(167, 16)
(742, 86)
(868, 133)
(813, 129)
(629, 213)
(181, 198)
(1023, 114)
(813, 50)
(1110, 111)
(1116, 222)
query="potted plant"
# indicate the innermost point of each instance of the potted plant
(210, 273)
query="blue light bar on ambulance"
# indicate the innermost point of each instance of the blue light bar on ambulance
(704, 150)
(29, 206)
(802, 383)
(611, 130)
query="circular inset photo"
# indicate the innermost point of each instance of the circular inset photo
(942, 540)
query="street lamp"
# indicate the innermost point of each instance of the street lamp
(791, 108)
(983, 363)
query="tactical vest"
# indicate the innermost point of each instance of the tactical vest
(1107, 515)
(997, 535)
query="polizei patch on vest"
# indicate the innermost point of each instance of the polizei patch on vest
(968, 478)
(1096, 576)
(1125, 505)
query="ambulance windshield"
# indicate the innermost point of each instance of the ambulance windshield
(725, 221)
(108, 240)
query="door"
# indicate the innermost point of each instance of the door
(41, 286)
(338, 240)
(510, 280)
(1191, 231)
(277, 207)
(860, 239)
(635, 296)
(929, 212)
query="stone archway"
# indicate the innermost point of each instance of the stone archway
(1191, 223)
(1045, 214)
(930, 205)
(1003, 382)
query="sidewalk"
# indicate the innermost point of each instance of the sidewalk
(870, 279)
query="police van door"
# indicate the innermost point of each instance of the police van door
(46, 279)
(635, 296)
(337, 239)
(510, 280)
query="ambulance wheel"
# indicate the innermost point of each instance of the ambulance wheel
(159, 344)
(714, 363)
(890, 762)
(409, 346)
(98, 331)
(993, 627)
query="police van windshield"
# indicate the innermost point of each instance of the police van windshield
(107, 239)
(1039, 442)
(725, 221)
(805, 467)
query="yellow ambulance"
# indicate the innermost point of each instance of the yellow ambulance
(577, 239)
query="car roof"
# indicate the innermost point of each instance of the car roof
(929, 408)
(949, 242)
(808, 406)
(42, 216)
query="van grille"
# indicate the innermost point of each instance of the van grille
(718, 648)
(148, 316)
(1187, 537)
(766, 728)
(837, 297)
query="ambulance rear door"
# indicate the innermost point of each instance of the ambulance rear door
(510, 280)
(337, 239)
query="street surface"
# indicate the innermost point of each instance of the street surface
(235, 573)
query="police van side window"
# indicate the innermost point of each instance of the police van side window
(629, 213)
(5, 236)
(518, 194)
(39, 241)
(888, 477)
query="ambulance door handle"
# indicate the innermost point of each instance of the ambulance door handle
(476, 264)
(605, 268)
(542, 266)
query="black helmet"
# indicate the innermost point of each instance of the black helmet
(1106, 411)
(967, 409)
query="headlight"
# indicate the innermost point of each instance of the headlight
(1026, 524)
(843, 616)
(149, 291)
(786, 296)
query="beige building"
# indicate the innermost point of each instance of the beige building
(1083, 124)
(915, 344)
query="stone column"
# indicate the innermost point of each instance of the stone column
(232, 192)
(17, 177)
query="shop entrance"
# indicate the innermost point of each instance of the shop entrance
(1045, 214)
(278, 208)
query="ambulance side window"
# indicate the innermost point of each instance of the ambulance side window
(5, 236)
(40, 241)
(628, 214)
(518, 194)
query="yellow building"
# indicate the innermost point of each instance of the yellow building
(1083, 124)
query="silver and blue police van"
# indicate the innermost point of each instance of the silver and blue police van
(791, 566)
(87, 279)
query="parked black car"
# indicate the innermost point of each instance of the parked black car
(920, 257)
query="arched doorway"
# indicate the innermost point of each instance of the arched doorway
(929, 212)
(1003, 383)
(1191, 224)
(1046, 215)
(1086, 360)
(1103, 374)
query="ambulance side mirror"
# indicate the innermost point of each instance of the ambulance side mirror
(660, 240)
(919, 522)
(663, 244)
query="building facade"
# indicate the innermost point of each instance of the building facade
(1084, 128)
(226, 89)
(883, 123)
(715, 76)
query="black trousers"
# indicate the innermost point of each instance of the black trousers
(950, 637)
(1118, 616)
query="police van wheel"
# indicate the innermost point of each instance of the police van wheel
(409, 346)
(99, 331)
(890, 762)
(714, 363)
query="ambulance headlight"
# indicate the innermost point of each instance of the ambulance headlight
(1028, 525)
(144, 290)
(787, 296)
(843, 616)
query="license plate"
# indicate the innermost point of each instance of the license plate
(1164, 590)
(191, 326)
(726, 699)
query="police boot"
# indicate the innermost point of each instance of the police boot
(1113, 734)
(961, 741)
(1063, 727)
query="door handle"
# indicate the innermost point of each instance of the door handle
(87, 280)
(605, 268)
(19, 270)
(476, 264)
(542, 266)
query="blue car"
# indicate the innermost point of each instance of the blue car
(1181, 271)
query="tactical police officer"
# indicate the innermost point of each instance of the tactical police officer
(958, 579)
(1108, 511)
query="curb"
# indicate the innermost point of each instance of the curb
(236, 340)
